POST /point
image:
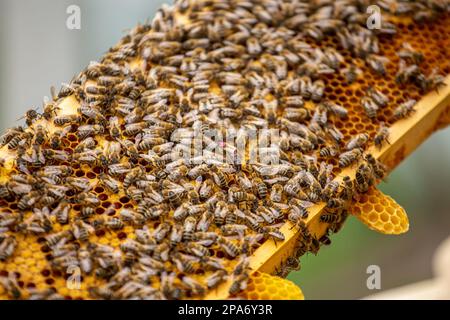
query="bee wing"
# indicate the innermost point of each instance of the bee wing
(306, 203)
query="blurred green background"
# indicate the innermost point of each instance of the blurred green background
(37, 51)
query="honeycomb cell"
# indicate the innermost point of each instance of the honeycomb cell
(264, 286)
(386, 216)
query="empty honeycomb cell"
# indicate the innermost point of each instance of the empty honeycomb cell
(388, 219)
(271, 288)
(395, 220)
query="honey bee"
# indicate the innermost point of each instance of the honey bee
(150, 141)
(205, 239)
(351, 73)
(336, 203)
(328, 217)
(131, 216)
(431, 82)
(409, 53)
(93, 113)
(325, 240)
(85, 258)
(220, 213)
(189, 226)
(216, 278)
(112, 151)
(87, 199)
(85, 131)
(194, 286)
(181, 212)
(81, 184)
(114, 128)
(378, 168)
(193, 196)
(358, 141)
(119, 169)
(377, 63)
(54, 238)
(292, 264)
(317, 90)
(4, 191)
(336, 109)
(40, 134)
(174, 195)
(221, 178)
(10, 134)
(206, 189)
(14, 142)
(294, 103)
(109, 183)
(233, 229)
(58, 170)
(261, 188)
(10, 219)
(133, 128)
(28, 200)
(239, 283)
(228, 247)
(298, 209)
(55, 138)
(303, 144)
(296, 114)
(382, 135)
(50, 109)
(63, 120)
(364, 178)
(369, 106)
(11, 287)
(45, 294)
(335, 133)
(81, 230)
(161, 252)
(276, 193)
(7, 247)
(273, 233)
(347, 189)
(62, 212)
(169, 289)
(103, 292)
(330, 190)
(130, 149)
(292, 187)
(404, 109)
(196, 249)
(332, 58)
(178, 173)
(378, 97)
(329, 151)
(349, 157)
(31, 116)
(407, 73)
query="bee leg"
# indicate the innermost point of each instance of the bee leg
(275, 242)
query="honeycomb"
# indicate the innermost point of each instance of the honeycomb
(380, 213)
(262, 286)
(430, 39)
(99, 108)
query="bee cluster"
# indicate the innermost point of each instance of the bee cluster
(212, 64)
